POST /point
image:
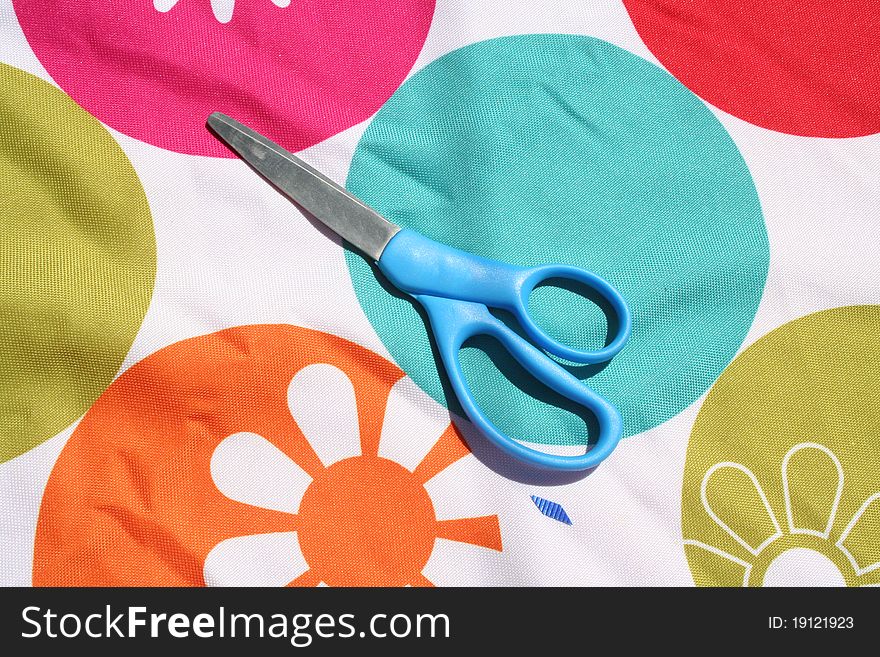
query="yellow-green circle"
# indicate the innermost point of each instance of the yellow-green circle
(813, 381)
(78, 260)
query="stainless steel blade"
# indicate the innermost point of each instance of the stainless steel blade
(342, 212)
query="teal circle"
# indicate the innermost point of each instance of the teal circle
(558, 148)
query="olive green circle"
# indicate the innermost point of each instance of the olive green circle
(813, 380)
(77, 260)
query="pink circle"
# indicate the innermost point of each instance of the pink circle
(300, 73)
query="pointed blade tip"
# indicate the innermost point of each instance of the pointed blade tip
(307, 187)
(235, 135)
(217, 120)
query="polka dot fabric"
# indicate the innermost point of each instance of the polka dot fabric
(194, 358)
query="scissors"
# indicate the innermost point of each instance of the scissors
(456, 290)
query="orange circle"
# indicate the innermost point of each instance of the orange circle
(366, 501)
(132, 500)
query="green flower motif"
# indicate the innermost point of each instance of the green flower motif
(782, 476)
(805, 538)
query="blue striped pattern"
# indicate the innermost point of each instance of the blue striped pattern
(551, 509)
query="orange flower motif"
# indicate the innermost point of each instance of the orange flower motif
(256, 455)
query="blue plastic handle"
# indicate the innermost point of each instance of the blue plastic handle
(420, 266)
(457, 288)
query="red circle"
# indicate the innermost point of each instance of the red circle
(803, 68)
(300, 73)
